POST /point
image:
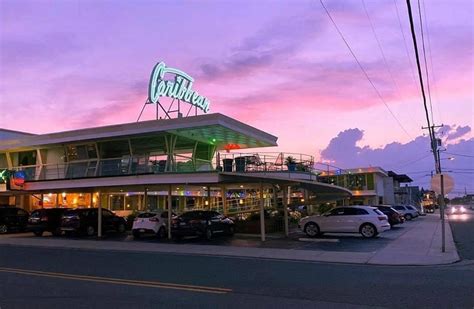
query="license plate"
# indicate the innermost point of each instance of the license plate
(182, 223)
(142, 230)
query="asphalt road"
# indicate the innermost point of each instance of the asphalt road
(65, 278)
(462, 226)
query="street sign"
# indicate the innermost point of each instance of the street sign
(436, 183)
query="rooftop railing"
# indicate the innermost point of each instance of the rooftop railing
(138, 165)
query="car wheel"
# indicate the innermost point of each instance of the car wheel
(311, 229)
(3, 229)
(57, 232)
(368, 230)
(161, 233)
(136, 234)
(38, 233)
(408, 216)
(209, 234)
(90, 231)
(121, 228)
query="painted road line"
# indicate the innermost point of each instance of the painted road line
(152, 284)
(319, 239)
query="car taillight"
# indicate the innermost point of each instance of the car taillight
(382, 218)
(44, 218)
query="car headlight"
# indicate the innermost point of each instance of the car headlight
(453, 210)
(462, 209)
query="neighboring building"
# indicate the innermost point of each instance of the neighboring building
(369, 185)
(404, 195)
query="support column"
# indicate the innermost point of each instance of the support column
(170, 204)
(92, 200)
(285, 211)
(209, 197)
(262, 214)
(99, 220)
(42, 200)
(224, 200)
(145, 199)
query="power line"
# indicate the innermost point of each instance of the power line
(380, 48)
(459, 154)
(426, 64)
(405, 42)
(363, 70)
(420, 76)
(431, 62)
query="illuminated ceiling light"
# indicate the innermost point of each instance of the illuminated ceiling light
(64, 194)
(50, 194)
(206, 203)
(241, 186)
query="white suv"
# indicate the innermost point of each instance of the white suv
(366, 220)
(150, 222)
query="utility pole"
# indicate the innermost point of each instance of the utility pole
(435, 143)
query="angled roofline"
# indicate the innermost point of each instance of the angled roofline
(138, 128)
(16, 132)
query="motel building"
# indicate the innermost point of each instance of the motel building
(186, 159)
(371, 186)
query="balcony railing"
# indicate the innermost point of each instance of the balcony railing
(139, 165)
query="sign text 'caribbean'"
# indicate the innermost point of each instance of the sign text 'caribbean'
(180, 88)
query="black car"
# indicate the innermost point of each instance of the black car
(46, 220)
(12, 219)
(394, 217)
(201, 223)
(84, 221)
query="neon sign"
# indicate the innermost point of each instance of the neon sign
(180, 88)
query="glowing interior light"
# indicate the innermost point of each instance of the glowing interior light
(180, 88)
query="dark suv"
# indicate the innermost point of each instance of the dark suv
(84, 221)
(201, 223)
(394, 217)
(46, 220)
(12, 219)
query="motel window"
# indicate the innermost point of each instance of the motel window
(114, 149)
(370, 182)
(3, 161)
(81, 152)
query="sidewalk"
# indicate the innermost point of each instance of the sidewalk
(419, 244)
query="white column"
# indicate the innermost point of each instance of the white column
(170, 203)
(99, 220)
(224, 201)
(262, 214)
(285, 211)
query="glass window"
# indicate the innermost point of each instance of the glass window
(350, 211)
(147, 215)
(106, 213)
(114, 149)
(337, 212)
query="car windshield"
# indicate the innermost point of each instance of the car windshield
(146, 215)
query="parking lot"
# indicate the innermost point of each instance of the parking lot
(296, 241)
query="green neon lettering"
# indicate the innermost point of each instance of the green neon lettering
(180, 88)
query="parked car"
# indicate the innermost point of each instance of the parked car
(12, 219)
(151, 222)
(366, 220)
(46, 220)
(394, 217)
(84, 221)
(418, 212)
(201, 223)
(457, 209)
(408, 213)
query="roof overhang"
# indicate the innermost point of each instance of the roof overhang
(214, 129)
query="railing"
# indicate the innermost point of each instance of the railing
(265, 162)
(137, 165)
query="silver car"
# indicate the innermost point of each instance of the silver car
(409, 212)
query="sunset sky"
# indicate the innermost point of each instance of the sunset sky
(277, 65)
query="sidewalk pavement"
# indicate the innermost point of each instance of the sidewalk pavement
(419, 244)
